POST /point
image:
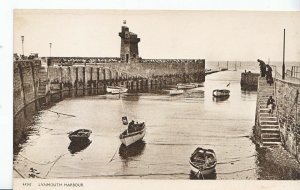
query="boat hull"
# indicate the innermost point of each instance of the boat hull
(119, 91)
(221, 93)
(186, 86)
(134, 137)
(116, 89)
(83, 137)
(79, 139)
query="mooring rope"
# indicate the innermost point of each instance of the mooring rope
(55, 161)
(58, 113)
(18, 172)
(46, 163)
(113, 155)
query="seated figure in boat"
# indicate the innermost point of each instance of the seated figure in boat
(209, 160)
(201, 156)
(133, 127)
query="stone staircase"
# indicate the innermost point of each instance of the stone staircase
(268, 123)
(43, 80)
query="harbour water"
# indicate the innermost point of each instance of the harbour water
(176, 125)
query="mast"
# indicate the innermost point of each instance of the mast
(283, 64)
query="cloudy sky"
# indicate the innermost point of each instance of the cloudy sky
(213, 35)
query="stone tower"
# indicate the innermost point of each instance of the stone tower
(129, 46)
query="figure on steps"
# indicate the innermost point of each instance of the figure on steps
(269, 75)
(271, 104)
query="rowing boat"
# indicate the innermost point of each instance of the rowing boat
(203, 161)
(135, 132)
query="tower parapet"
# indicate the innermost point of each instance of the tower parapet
(129, 52)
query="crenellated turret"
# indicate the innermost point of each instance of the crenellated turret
(129, 52)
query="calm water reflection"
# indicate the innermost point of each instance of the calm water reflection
(76, 147)
(135, 149)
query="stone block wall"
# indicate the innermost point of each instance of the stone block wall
(287, 108)
(80, 77)
(25, 89)
(26, 79)
(249, 80)
(146, 67)
(92, 78)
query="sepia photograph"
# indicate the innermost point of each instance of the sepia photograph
(155, 94)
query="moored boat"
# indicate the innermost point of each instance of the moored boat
(203, 161)
(80, 135)
(186, 85)
(176, 92)
(134, 133)
(221, 92)
(116, 89)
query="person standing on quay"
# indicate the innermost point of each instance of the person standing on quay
(262, 68)
(269, 75)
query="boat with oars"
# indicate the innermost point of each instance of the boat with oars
(203, 162)
(80, 135)
(135, 132)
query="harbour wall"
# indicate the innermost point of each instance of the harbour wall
(249, 80)
(92, 79)
(36, 86)
(288, 110)
(25, 89)
(26, 79)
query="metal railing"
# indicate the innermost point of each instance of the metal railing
(295, 72)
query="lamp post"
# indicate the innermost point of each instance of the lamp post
(50, 48)
(22, 38)
(283, 64)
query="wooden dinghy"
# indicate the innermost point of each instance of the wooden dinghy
(221, 93)
(116, 89)
(135, 132)
(80, 135)
(186, 85)
(203, 161)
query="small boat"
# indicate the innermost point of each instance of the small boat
(134, 133)
(186, 85)
(221, 92)
(80, 135)
(203, 161)
(116, 89)
(176, 92)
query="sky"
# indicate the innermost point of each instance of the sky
(210, 35)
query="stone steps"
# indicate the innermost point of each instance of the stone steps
(267, 143)
(270, 139)
(269, 126)
(266, 115)
(265, 118)
(270, 135)
(268, 123)
(264, 110)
